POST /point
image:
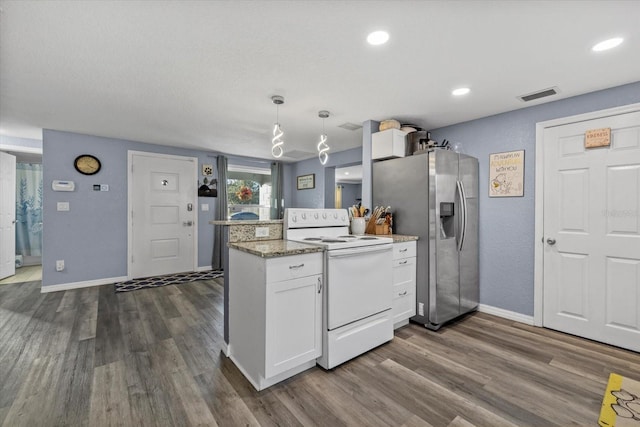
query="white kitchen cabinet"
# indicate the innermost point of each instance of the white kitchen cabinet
(275, 315)
(404, 282)
(388, 144)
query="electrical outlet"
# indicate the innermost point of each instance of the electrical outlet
(60, 265)
(63, 206)
(421, 308)
(262, 231)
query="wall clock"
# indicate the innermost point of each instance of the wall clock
(87, 164)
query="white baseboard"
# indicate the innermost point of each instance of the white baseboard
(86, 284)
(204, 268)
(501, 312)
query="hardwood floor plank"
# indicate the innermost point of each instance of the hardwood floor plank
(109, 342)
(224, 403)
(188, 394)
(109, 403)
(75, 385)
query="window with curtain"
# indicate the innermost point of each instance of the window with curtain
(248, 192)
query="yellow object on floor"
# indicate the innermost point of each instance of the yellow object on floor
(621, 403)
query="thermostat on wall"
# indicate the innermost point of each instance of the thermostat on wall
(63, 185)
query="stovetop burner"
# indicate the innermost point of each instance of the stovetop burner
(334, 241)
(348, 236)
(368, 238)
(314, 239)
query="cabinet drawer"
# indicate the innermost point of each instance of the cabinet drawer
(404, 271)
(404, 302)
(404, 250)
(292, 267)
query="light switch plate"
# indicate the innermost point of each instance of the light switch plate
(63, 206)
(204, 207)
(262, 231)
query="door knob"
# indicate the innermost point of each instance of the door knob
(551, 241)
(187, 223)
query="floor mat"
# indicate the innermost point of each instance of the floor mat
(621, 403)
(170, 279)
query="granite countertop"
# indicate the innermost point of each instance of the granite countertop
(246, 222)
(275, 248)
(399, 238)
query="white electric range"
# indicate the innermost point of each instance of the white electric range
(358, 282)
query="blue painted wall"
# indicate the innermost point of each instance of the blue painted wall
(507, 224)
(92, 236)
(315, 198)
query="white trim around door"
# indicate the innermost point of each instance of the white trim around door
(538, 289)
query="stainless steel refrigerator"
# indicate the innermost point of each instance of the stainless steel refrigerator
(435, 196)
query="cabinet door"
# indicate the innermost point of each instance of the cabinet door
(293, 323)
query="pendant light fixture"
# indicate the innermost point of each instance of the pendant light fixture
(276, 142)
(323, 148)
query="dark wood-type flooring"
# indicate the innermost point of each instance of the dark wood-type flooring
(154, 357)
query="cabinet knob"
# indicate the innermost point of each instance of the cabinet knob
(401, 294)
(319, 285)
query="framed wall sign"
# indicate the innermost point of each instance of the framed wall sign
(306, 182)
(506, 174)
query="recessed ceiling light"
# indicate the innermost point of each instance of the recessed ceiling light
(378, 37)
(607, 44)
(346, 173)
(461, 91)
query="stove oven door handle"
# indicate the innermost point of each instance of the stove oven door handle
(343, 253)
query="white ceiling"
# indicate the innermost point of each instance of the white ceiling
(200, 74)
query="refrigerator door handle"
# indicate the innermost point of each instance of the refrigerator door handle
(463, 213)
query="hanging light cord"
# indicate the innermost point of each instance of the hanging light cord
(276, 142)
(323, 147)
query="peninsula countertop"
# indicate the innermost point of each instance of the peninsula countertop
(246, 222)
(275, 248)
(399, 238)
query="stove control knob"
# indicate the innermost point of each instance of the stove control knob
(343, 217)
(335, 215)
(324, 215)
(304, 216)
(315, 215)
(294, 219)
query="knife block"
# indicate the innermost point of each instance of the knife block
(371, 226)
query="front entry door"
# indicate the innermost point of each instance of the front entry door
(7, 215)
(162, 201)
(592, 231)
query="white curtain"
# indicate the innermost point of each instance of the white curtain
(29, 209)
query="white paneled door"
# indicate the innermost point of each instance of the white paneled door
(592, 231)
(7, 215)
(162, 201)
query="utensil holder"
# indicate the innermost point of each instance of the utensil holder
(358, 226)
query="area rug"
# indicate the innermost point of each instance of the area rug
(170, 279)
(621, 403)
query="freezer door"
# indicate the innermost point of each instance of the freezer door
(469, 272)
(403, 184)
(444, 291)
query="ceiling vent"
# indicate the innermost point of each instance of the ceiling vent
(539, 94)
(298, 154)
(350, 126)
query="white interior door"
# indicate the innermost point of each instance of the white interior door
(592, 231)
(7, 215)
(162, 202)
